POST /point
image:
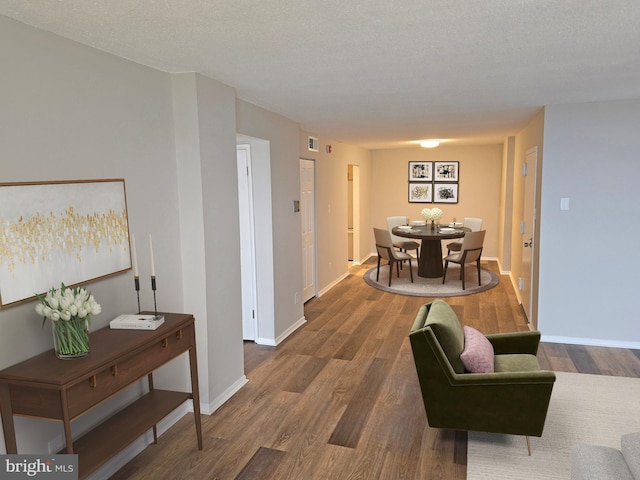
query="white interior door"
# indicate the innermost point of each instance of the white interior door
(308, 221)
(247, 243)
(527, 229)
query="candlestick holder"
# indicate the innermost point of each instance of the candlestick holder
(155, 307)
(136, 281)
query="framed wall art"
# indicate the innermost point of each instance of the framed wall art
(420, 171)
(63, 231)
(445, 193)
(420, 192)
(446, 171)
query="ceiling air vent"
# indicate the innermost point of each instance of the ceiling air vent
(312, 142)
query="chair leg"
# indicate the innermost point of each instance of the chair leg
(479, 272)
(411, 270)
(444, 274)
(390, 272)
(462, 273)
(378, 272)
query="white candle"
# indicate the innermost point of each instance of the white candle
(134, 255)
(153, 267)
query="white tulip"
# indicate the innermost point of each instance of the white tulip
(82, 312)
(40, 309)
(65, 315)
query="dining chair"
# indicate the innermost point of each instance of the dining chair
(471, 252)
(473, 224)
(404, 244)
(386, 251)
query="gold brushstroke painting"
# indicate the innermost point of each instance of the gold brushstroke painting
(71, 232)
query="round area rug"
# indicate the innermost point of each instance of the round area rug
(432, 287)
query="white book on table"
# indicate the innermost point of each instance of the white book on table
(136, 322)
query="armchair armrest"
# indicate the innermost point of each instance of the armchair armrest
(515, 342)
(503, 378)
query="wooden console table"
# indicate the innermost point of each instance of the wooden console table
(47, 387)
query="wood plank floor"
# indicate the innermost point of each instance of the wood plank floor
(339, 399)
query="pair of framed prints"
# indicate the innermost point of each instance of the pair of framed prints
(433, 182)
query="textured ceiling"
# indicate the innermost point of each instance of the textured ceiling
(375, 73)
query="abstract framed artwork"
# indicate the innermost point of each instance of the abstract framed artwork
(420, 171)
(445, 193)
(63, 231)
(446, 171)
(420, 192)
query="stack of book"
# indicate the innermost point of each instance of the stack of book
(136, 322)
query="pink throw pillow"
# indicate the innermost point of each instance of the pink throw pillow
(477, 356)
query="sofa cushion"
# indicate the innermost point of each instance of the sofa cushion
(630, 446)
(590, 462)
(446, 327)
(477, 356)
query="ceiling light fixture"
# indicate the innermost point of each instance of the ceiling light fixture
(429, 143)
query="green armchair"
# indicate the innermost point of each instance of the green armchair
(514, 399)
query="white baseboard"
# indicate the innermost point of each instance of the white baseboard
(592, 342)
(290, 330)
(333, 284)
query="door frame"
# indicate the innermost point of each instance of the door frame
(247, 245)
(309, 295)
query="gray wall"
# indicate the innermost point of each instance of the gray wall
(72, 112)
(588, 263)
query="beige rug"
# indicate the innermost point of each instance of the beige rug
(590, 409)
(432, 287)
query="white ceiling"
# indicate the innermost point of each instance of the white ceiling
(375, 73)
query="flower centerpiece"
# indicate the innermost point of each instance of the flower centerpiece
(433, 214)
(70, 313)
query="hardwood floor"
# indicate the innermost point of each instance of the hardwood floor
(339, 399)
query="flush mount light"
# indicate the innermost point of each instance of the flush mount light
(429, 143)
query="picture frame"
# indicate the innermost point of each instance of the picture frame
(445, 193)
(420, 171)
(420, 192)
(70, 232)
(446, 171)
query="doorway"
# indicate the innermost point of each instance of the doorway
(247, 242)
(308, 224)
(353, 214)
(262, 314)
(528, 231)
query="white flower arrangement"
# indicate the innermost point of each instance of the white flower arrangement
(431, 214)
(70, 312)
(65, 303)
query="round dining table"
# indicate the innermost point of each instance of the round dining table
(430, 261)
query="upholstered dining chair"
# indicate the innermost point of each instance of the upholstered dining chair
(404, 244)
(473, 224)
(386, 251)
(471, 252)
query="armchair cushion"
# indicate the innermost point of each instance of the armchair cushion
(516, 363)
(477, 356)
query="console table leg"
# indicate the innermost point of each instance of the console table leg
(66, 421)
(195, 390)
(7, 420)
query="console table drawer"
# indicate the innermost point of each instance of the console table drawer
(96, 388)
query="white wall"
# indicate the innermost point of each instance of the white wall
(588, 266)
